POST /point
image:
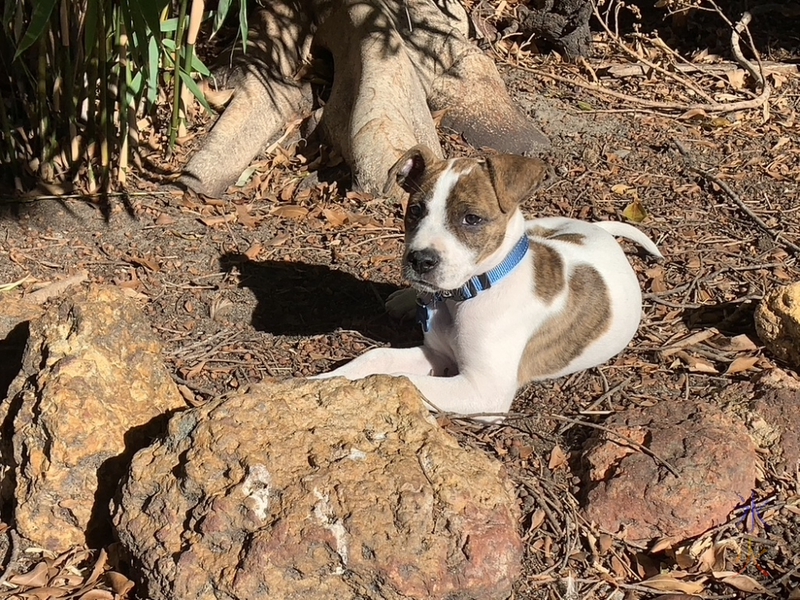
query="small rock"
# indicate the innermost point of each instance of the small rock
(318, 490)
(778, 323)
(90, 393)
(629, 492)
(775, 418)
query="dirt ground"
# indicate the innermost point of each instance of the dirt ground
(285, 276)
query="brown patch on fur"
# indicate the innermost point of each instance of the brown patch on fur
(551, 234)
(572, 238)
(548, 271)
(564, 336)
(474, 194)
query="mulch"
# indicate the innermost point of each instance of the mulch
(285, 276)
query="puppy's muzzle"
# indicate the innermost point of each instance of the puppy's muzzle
(422, 261)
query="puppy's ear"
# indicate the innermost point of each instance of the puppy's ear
(514, 177)
(407, 172)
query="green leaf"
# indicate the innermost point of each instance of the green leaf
(220, 15)
(243, 24)
(169, 25)
(152, 71)
(197, 64)
(90, 31)
(195, 89)
(40, 20)
(151, 11)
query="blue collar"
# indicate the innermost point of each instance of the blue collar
(477, 284)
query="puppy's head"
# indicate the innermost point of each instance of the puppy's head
(458, 211)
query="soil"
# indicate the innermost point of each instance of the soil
(286, 275)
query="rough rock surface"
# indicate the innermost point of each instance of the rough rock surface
(775, 418)
(778, 323)
(631, 493)
(90, 393)
(318, 490)
(15, 314)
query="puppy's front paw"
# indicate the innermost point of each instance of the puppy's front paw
(402, 304)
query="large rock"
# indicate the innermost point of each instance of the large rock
(629, 492)
(778, 323)
(15, 314)
(318, 490)
(775, 419)
(90, 393)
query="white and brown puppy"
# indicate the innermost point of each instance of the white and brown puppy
(502, 301)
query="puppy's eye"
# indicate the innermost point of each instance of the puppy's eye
(472, 220)
(414, 211)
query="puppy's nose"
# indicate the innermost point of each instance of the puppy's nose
(423, 261)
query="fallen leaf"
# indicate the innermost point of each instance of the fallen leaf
(289, 211)
(669, 582)
(244, 216)
(336, 217)
(696, 364)
(212, 221)
(36, 577)
(245, 176)
(620, 189)
(164, 219)
(635, 212)
(557, 458)
(46, 593)
(742, 343)
(741, 582)
(537, 519)
(693, 113)
(278, 240)
(253, 251)
(741, 364)
(618, 568)
(97, 595)
(736, 78)
(118, 582)
(604, 542)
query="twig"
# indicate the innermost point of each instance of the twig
(598, 402)
(628, 440)
(736, 199)
(56, 288)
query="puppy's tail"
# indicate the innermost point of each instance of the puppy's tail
(631, 233)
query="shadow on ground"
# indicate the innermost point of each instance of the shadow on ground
(301, 299)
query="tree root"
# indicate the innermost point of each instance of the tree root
(394, 62)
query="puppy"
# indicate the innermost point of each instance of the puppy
(502, 301)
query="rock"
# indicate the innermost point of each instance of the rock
(318, 490)
(15, 314)
(629, 492)
(91, 392)
(775, 418)
(778, 323)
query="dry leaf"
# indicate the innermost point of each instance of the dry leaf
(663, 544)
(696, 364)
(253, 251)
(244, 216)
(46, 593)
(668, 582)
(118, 582)
(741, 364)
(289, 211)
(557, 458)
(97, 595)
(742, 343)
(164, 219)
(537, 519)
(794, 594)
(36, 577)
(741, 582)
(336, 217)
(736, 78)
(604, 542)
(620, 189)
(278, 240)
(212, 221)
(713, 558)
(693, 113)
(635, 212)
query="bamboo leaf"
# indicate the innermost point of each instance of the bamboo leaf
(90, 35)
(220, 15)
(197, 64)
(192, 86)
(40, 19)
(152, 71)
(243, 27)
(151, 11)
